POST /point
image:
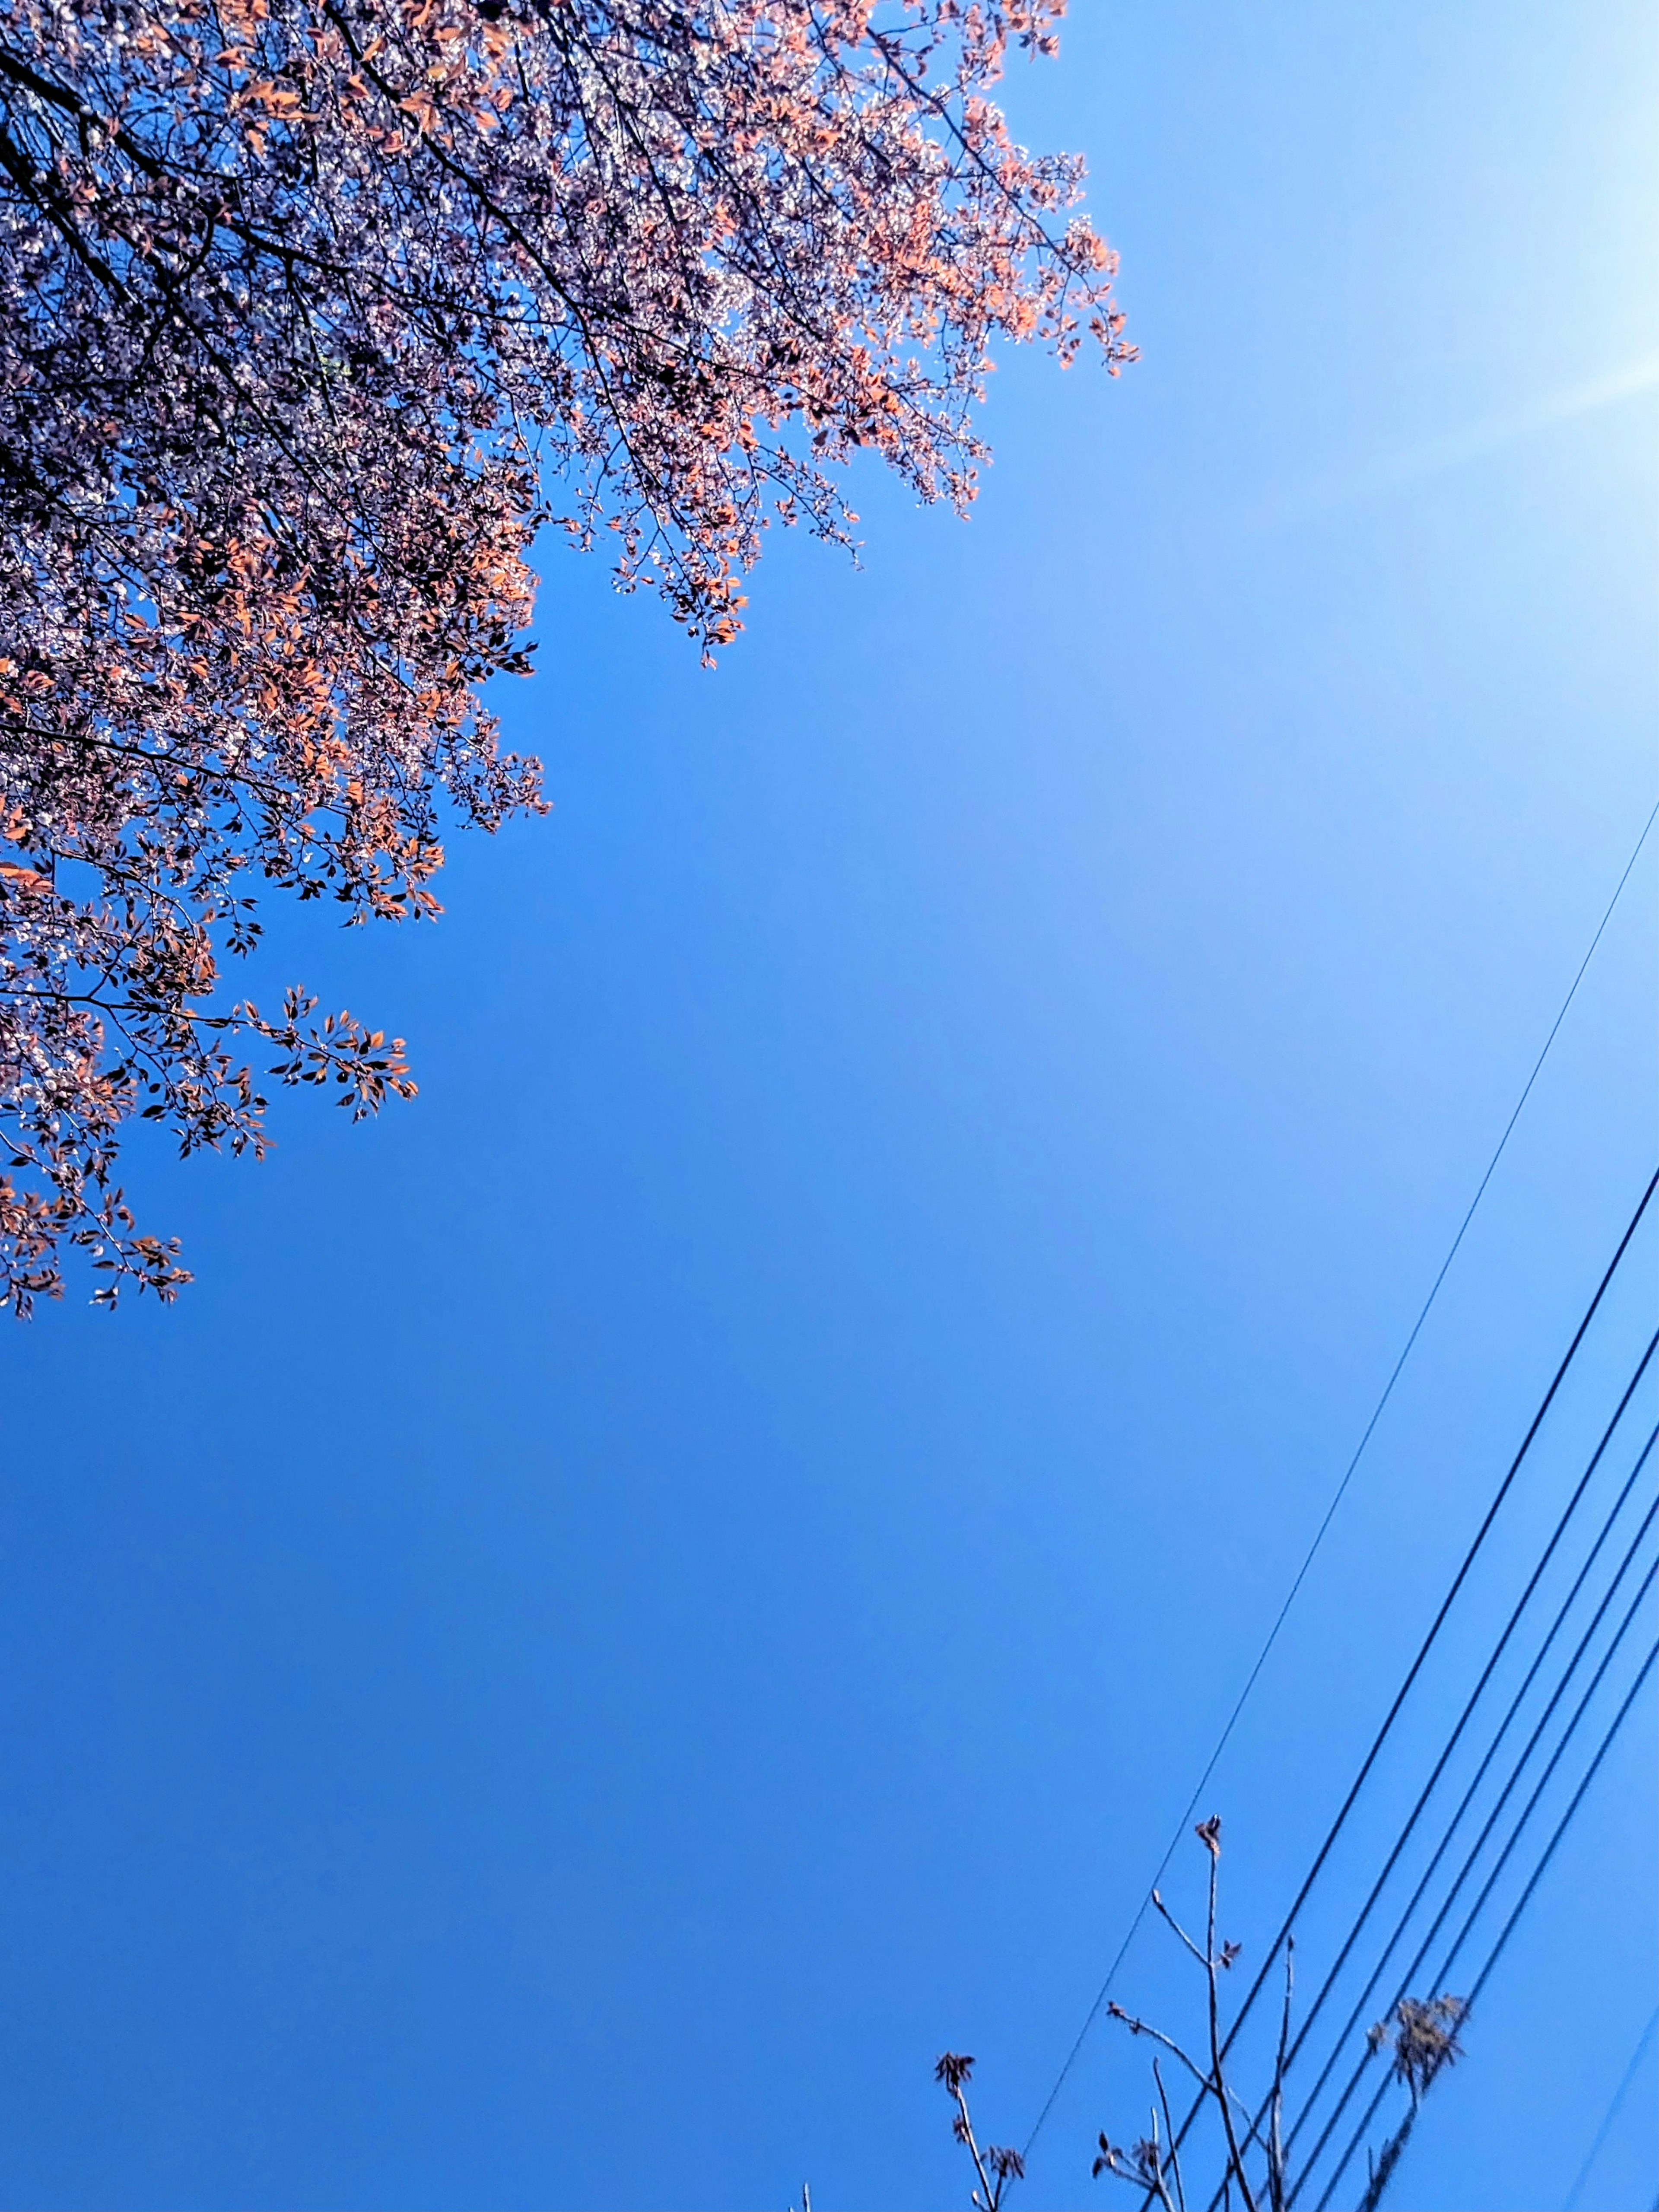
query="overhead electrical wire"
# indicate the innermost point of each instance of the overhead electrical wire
(1566, 1821)
(1614, 2106)
(1456, 1819)
(1607, 1739)
(1306, 2026)
(1340, 2042)
(1609, 1736)
(1423, 1649)
(1516, 1774)
(1231, 1722)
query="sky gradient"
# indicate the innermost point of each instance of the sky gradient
(647, 1594)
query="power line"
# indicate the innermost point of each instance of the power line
(1418, 1664)
(1403, 1923)
(1340, 2042)
(1450, 1958)
(1487, 1671)
(1480, 1844)
(1526, 1897)
(1612, 2112)
(1225, 1736)
(1526, 1894)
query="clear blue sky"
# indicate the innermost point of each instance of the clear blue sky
(647, 1594)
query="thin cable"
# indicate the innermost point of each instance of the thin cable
(1499, 1649)
(1564, 1823)
(1516, 1773)
(1423, 1649)
(1404, 1919)
(1222, 1739)
(1611, 2113)
(1526, 1897)
(1357, 2012)
(1527, 1812)
(1472, 1856)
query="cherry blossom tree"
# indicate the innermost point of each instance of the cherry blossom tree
(316, 313)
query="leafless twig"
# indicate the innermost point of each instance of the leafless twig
(996, 2168)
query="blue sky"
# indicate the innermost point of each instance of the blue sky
(645, 1596)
